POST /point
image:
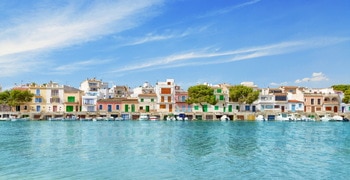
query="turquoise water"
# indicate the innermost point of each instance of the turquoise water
(174, 150)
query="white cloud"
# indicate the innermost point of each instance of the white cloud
(206, 57)
(316, 77)
(229, 9)
(78, 66)
(41, 30)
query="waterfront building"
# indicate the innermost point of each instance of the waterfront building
(165, 96)
(295, 97)
(130, 108)
(331, 102)
(313, 102)
(180, 101)
(94, 90)
(47, 97)
(272, 100)
(147, 102)
(112, 106)
(120, 92)
(72, 99)
(221, 93)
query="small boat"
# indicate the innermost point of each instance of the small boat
(144, 117)
(224, 118)
(260, 118)
(153, 118)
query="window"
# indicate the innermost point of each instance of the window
(183, 98)
(312, 101)
(319, 101)
(162, 106)
(38, 100)
(222, 97)
(54, 92)
(142, 100)
(162, 99)
(196, 108)
(218, 90)
(281, 98)
(216, 108)
(100, 107)
(117, 107)
(152, 100)
(328, 108)
(71, 99)
(165, 91)
(300, 105)
(37, 92)
(169, 99)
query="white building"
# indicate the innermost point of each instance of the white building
(165, 92)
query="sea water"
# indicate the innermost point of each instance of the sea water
(174, 150)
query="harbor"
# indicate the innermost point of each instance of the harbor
(108, 116)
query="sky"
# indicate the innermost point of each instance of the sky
(269, 42)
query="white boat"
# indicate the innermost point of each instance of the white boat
(5, 119)
(337, 118)
(282, 117)
(328, 117)
(260, 118)
(144, 117)
(153, 118)
(224, 118)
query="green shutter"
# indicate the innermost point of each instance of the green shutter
(216, 107)
(205, 108)
(126, 108)
(71, 99)
(69, 108)
(218, 90)
(229, 108)
(196, 108)
(147, 108)
(221, 97)
(133, 108)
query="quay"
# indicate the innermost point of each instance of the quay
(233, 116)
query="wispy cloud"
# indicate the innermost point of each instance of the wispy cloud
(278, 84)
(78, 66)
(230, 9)
(41, 30)
(168, 34)
(316, 77)
(205, 57)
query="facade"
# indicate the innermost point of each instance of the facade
(72, 99)
(166, 96)
(47, 98)
(147, 102)
(180, 101)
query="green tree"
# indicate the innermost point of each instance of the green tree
(345, 88)
(243, 94)
(201, 94)
(15, 97)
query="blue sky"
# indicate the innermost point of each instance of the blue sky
(268, 42)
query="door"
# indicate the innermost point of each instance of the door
(38, 109)
(54, 108)
(293, 107)
(282, 108)
(109, 107)
(147, 108)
